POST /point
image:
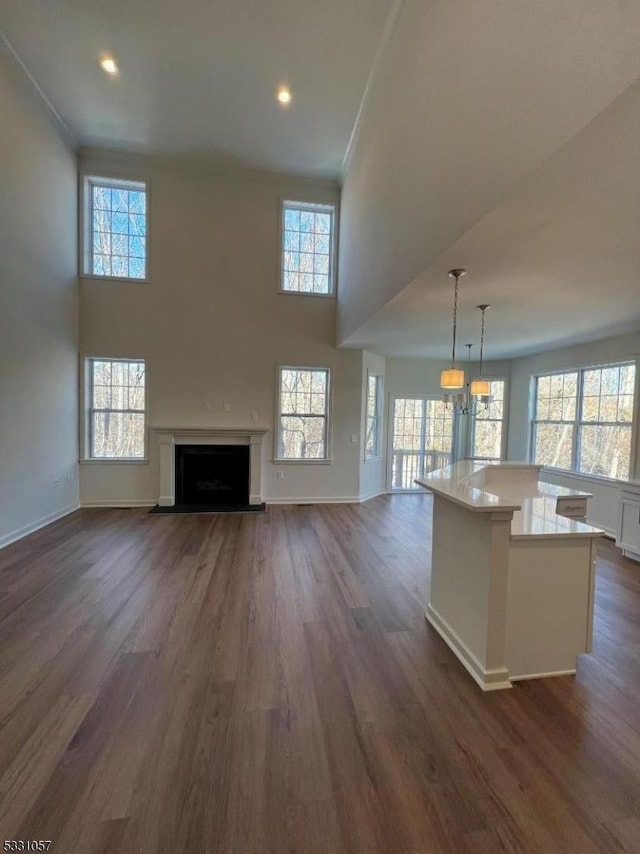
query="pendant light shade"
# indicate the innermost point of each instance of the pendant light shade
(479, 388)
(452, 378)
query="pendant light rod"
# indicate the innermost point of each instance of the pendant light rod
(455, 274)
(483, 308)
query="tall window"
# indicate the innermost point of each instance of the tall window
(488, 425)
(307, 248)
(303, 414)
(115, 229)
(583, 420)
(374, 420)
(116, 389)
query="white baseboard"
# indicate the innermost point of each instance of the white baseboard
(488, 680)
(544, 675)
(32, 527)
(134, 502)
(320, 500)
(369, 495)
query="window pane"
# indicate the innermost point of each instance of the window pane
(438, 430)
(372, 430)
(556, 396)
(306, 258)
(118, 434)
(605, 451)
(302, 437)
(553, 444)
(407, 424)
(118, 226)
(370, 438)
(487, 439)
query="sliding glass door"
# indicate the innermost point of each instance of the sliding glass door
(422, 439)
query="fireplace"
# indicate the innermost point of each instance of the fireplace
(215, 476)
(248, 441)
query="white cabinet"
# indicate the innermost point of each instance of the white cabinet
(628, 538)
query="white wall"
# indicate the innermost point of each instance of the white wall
(372, 471)
(603, 509)
(38, 311)
(459, 112)
(212, 326)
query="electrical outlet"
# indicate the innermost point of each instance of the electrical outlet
(280, 475)
(227, 407)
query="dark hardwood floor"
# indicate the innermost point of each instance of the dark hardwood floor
(268, 683)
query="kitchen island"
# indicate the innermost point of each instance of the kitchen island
(513, 571)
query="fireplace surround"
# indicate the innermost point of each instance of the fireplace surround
(172, 438)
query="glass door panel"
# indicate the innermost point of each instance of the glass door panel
(422, 439)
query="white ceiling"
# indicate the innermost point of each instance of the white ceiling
(199, 77)
(558, 259)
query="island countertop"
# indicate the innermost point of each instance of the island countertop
(533, 504)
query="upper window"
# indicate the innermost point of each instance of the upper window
(303, 414)
(487, 427)
(583, 420)
(116, 411)
(374, 422)
(115, 229)
(307, 248)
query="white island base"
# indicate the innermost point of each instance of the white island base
(512, 581)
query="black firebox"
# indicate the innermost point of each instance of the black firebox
(213, 475)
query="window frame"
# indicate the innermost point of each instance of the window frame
(377, 417)
(457, 434)
(504, 420)
(327, 459)
(86, 220)
(88, 410)
(578, 422)
(315, 207)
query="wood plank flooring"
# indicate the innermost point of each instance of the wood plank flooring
(268, 683)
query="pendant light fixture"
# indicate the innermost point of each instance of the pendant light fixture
(480, 387)
(452, 379)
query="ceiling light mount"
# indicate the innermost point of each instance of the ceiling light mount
(108, 64)
(284, 95)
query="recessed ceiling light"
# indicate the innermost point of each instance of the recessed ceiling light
(108, 64)
(284, 95)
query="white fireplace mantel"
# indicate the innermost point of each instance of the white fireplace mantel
(169, 437)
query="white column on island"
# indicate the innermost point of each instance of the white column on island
(469, 587)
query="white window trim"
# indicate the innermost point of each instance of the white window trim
(328, 458)
(86, 393)
(505, 423)
(86, 226)
(379, 416)
(316, 207)
(573, 472)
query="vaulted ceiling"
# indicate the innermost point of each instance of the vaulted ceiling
(199, 77)
(498, 135)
